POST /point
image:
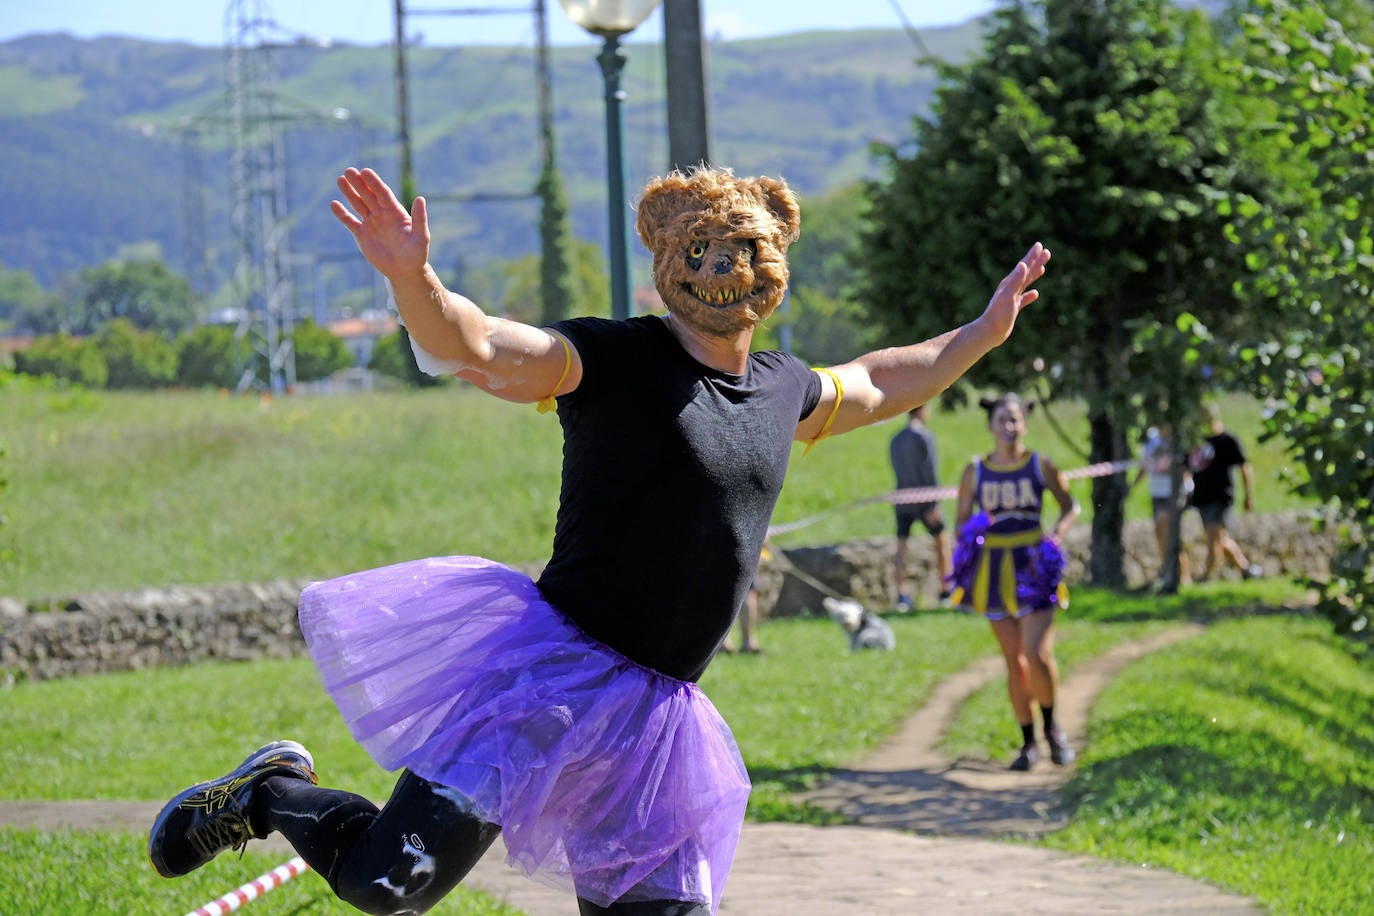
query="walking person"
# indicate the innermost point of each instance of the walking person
(914, 464)
(1158, 459)
(1214, 494)
(747, 622)
(563, 715)
(1010, 571)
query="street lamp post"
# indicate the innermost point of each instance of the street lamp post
(610, 19)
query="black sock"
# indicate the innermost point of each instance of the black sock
(322, 824)
(1047, 716)
(1028, 734)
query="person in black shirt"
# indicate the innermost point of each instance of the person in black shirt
(563, 714)
(1214, 494)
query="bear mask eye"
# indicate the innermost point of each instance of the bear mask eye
(696, 254)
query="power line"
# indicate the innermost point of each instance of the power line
(910, 30)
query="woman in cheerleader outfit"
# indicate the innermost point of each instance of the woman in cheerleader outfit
(1009, 571)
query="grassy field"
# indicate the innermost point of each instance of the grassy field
(1238, 757)
(115, 491)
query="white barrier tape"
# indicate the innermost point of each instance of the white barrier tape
(253, 889)
(935, 494)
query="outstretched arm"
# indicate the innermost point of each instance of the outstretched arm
(889, 382)
(511, 360)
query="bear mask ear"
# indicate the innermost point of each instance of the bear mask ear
(663, 200)
(782, 203)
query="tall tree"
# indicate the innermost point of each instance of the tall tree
(825, 323)
(555, 242)
(20, 296)
(146, 292)
(1093, 126)
(1312, 254)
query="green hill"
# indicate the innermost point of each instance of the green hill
(112, 141)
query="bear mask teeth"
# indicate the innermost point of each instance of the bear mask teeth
(718, 297)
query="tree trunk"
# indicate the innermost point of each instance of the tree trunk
(1106, 566)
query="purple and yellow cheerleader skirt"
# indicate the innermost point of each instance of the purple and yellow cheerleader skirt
(1002, 575)
(607, 778)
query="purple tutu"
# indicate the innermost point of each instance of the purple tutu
(608, 779)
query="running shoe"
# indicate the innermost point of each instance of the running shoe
(213, 816)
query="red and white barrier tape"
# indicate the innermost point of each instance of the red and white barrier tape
(935, 494)
(253, 889)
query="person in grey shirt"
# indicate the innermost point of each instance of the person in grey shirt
(912, 452)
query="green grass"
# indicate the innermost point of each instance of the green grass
(107, 874)
(1242, 758)
(58, 738)
(1238, 757)
(145, 735)
(1095, 621)
(110, 491)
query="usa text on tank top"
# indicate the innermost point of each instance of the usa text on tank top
(1010, 493)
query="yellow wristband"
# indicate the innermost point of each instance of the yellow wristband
(549, 403)
(834, 409)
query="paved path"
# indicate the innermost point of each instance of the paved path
(921, 841)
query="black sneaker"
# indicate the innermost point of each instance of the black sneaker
(211, 817)
(1026, 759)
(1253, 571)
(1060, 752)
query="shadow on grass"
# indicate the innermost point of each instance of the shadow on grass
(1206, 604)
(1289, 689)
(1180, 788)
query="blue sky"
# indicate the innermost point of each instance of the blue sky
(370, 21)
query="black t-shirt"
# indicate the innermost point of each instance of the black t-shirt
(1211, 464)
(671, 471)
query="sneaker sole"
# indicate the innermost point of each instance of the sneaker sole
(256, 759)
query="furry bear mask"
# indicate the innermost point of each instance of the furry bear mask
(720, 246)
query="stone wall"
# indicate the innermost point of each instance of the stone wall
(147, 628)
(1283, 544)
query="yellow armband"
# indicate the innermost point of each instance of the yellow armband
(834, 409)
(550, 403)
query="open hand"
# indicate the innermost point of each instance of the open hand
(393, 241)
(1014, 292)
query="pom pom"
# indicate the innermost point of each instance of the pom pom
(967, 547)
(1037, 586)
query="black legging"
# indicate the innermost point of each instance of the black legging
(405, 857)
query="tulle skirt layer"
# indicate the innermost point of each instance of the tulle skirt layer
(607, 778)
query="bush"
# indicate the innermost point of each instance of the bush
(388, 359)
(211, 356)
(319, 353)
(65, 357)
(136, 359)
